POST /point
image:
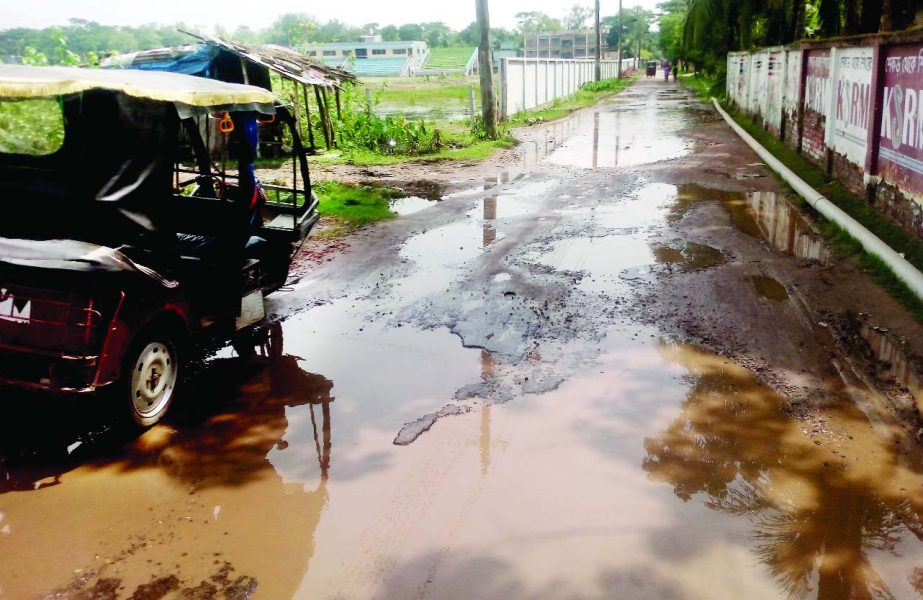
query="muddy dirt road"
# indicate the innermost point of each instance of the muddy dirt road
(621, 367)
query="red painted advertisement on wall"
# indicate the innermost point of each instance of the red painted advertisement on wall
(817, 90)
(816, 102)
(900, 159)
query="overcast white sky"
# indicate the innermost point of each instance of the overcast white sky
(260, 13)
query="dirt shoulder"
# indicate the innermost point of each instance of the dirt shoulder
(425, 177)
(805, 320)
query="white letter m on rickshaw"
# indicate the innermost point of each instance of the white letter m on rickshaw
(9, 311)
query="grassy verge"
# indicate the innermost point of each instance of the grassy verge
(423, 93)
(458, 142)
(703, 86)
(884, 228)
(589, 95)
(460, 147)
(354, 206)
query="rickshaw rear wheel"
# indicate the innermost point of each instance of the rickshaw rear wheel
(150, 376)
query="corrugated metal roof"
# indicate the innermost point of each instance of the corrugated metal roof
(284, 61)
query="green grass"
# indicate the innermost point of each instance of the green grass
(354, 206)
(704, 86)
(460, 144)
(469, 149)
(881, 226)
(426, 94)
(449, 58)
(589, 95)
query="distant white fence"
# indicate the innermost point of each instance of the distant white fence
(532, 82)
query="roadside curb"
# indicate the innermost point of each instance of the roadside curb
(898, 265)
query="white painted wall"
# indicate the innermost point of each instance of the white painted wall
(765, 83)
(527, 83)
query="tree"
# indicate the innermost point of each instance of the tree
(61, 54)
(436, 34)
(576, 17)
(470, 36)
(498, 36)
(31, 56)
(292, 29)
(534, 21)
(670, 36)
(336, 31)
(389, 33)
(410, 32)
(245, 35)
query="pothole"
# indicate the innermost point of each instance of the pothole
(689, 256)
(769, 288)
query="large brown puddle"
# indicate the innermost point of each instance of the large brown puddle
(661, 471)
(654, 470)
(831, 516)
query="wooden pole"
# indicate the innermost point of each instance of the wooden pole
(329, 121)
(620, 39)
(307, 110)
(599, 45)
(322, 115)
(336, 92)
(485, 70)
(296, 105)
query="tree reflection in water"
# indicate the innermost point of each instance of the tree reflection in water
(816, 515)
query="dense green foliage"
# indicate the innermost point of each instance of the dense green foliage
(702, 32)
(83, 41)
(32, 127)
(637, 38)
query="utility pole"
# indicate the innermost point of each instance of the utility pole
(640, 34)
(486, 72)
(599, 72)
(620, 39)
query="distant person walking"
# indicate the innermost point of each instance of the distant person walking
(666, 72)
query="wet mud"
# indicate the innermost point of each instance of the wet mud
(619, 364)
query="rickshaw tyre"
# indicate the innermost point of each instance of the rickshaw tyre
(244, 344)
(151, 374)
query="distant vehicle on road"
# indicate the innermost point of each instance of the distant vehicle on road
(134, 227)
(651, 68)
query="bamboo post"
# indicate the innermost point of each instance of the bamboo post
(297, 106)
(328, 121)
(321, 113)
(307, 110)
(336, 91)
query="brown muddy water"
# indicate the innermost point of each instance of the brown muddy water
(652, 469)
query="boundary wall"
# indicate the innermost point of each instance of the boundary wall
(527, 83)
(852, 107)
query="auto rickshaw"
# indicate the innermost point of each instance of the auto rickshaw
(134, 229)
(651, 70)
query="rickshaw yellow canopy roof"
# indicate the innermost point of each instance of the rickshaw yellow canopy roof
(22, 81)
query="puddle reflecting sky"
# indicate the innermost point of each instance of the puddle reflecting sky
(410, 204)
(612, 139)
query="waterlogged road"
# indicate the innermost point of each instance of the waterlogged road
(599, 374)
